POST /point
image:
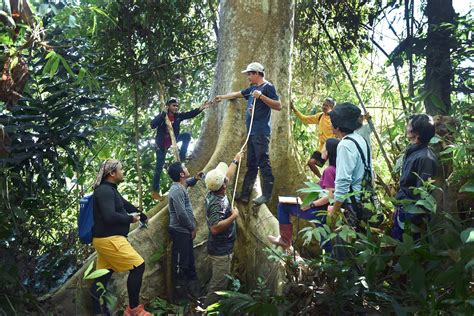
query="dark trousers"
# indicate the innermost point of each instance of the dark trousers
(258, 157)
(182, 254)
(134, 284)
(161, 152)
(403, 221)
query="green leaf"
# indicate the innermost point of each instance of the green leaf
(417, 275)
(50, 54)
(54, 67)
(413, 209)
(467, 235)
(66, 66)
(469, 265)
(99, 11)
(427, 203)
(97, 274)
(9, 19)
(468, 186)
(81, 74)
(94, 25)
(317, 235)
(310, 197)
(88, 270)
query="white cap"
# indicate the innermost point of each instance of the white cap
(258, 67)
(216, 177)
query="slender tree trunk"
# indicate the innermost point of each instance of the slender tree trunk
(438, 69)
(249, 31)
(371, 124)
(137, 148)
(409, 4)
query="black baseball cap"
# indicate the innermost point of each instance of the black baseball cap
(346, 115)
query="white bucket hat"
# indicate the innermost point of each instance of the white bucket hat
(216, 177)
(258, 67)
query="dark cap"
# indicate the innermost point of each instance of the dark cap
(346, 115)
(172, 100)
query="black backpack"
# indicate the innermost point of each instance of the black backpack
(368, 204)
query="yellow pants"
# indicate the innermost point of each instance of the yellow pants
(116, 253)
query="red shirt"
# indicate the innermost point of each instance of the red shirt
(167, 138)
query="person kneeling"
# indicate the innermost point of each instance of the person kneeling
(316, 210)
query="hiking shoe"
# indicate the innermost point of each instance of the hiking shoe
(261, 200)
(155, 195)
(242, 198)
(137, 311)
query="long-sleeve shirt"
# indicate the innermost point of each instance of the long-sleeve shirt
(159, 123)
(419, 162)
(111, 212)
(323, 120)
(350, 168)
(180, 208)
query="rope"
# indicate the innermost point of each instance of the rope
(241, 149)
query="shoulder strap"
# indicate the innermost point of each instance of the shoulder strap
(366, 163)
(320, 117)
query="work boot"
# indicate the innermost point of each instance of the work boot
(284, 240)
(267, 189)
(194, 289)
(180, 291)
(240, 196)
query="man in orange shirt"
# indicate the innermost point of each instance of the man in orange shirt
(325, 131)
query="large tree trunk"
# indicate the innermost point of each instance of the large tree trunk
(439, 70)
(249, 31)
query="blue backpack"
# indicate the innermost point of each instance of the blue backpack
(85, 221)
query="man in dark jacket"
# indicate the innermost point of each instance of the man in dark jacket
(163, 138)
(419, 164)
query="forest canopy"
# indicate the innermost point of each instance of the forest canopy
(82, 79)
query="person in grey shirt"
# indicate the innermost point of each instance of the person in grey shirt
(182, 229)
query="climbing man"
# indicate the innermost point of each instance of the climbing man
(163, 137)
(258, 156)
(325, 131)
(221, 223)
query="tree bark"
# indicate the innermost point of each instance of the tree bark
(249, 31)
(438, 69)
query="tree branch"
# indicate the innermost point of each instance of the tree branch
(369, 121)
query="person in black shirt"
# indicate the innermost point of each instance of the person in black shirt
(112, 218)
(419, 164)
